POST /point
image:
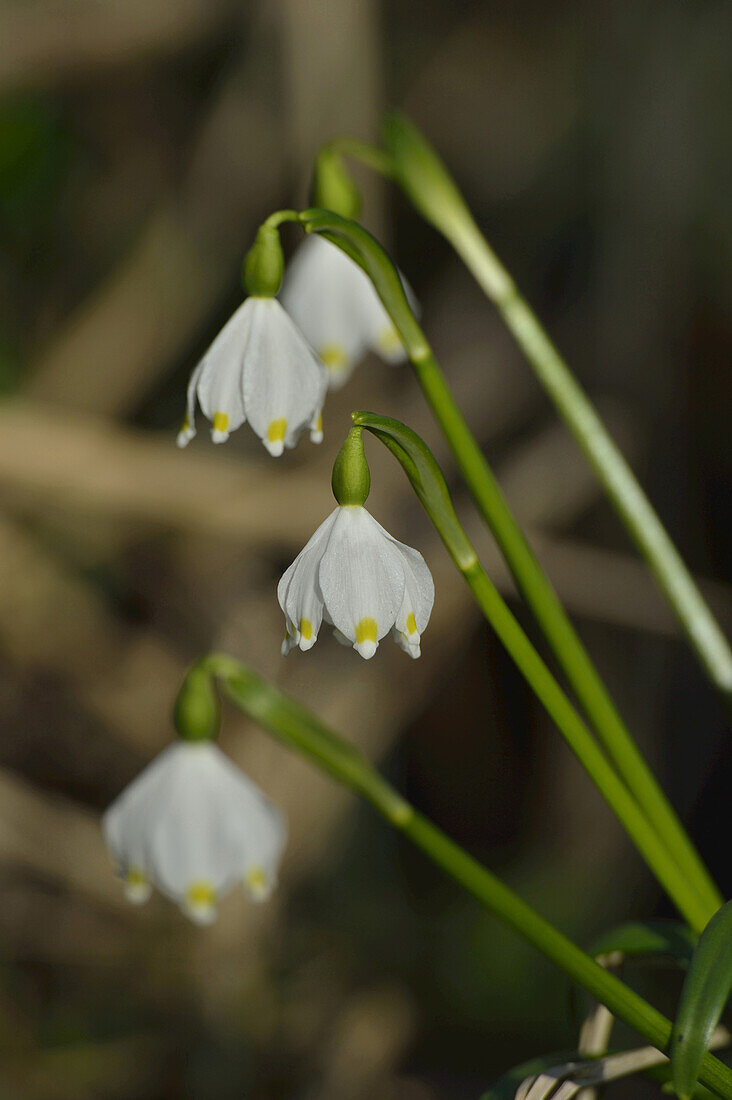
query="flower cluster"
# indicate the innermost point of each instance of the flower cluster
(192, 824)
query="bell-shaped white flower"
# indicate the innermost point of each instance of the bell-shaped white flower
(333, 302)
(355, 576)
(194, 825)
(259, 368)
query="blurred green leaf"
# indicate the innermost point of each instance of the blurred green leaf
(647, 938)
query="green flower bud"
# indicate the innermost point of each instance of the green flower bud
(333, 187)
(351, 479)
(197, 711)
(264, 264)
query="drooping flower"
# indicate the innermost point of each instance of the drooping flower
(193, 825)
(261, 369)
(353, 575)
(333, 302)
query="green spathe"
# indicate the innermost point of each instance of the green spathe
(264, 263)
(197, 709)
(351, 479)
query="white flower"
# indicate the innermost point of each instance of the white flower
(333, 302)
(193, 825)
(355, 576)
(261, 369)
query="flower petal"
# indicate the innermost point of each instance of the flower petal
(283, 382)
(419, 593)
(188, 427)
(321, 292)
(299, 592)
(219, 385)
(361, 579)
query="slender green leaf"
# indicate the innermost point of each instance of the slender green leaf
(706, 989)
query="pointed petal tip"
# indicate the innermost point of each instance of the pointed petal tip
(259, 885)
(217, 436)
(202, 915)
(137, 893)
(316, 437)
(366, 649)
(307, 643)
(184, 437)
(275, 448)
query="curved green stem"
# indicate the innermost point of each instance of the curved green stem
(298, 729)
(530, 578)
(419, 171)
(566, 644)
(429, 484)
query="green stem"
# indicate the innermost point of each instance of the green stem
(612, 469)
(539, 594)
(298, 729)
(530, 578)
(428, 482)
(420, 172)
(650, 845)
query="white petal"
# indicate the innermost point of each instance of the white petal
(419, 592)
(127, 822)
(219, 386)
(283, 381)
(321, 291)
(361, 579)
(191, 857)
(316, 426)
(404, 642)
(333, 302)
(378, 327)
(188, 429)
(299, 592)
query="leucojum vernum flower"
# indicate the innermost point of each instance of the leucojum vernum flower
(334, 304)
(354, 575)
(193, 825)
(259, 368)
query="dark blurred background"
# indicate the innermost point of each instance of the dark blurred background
(140, 145)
